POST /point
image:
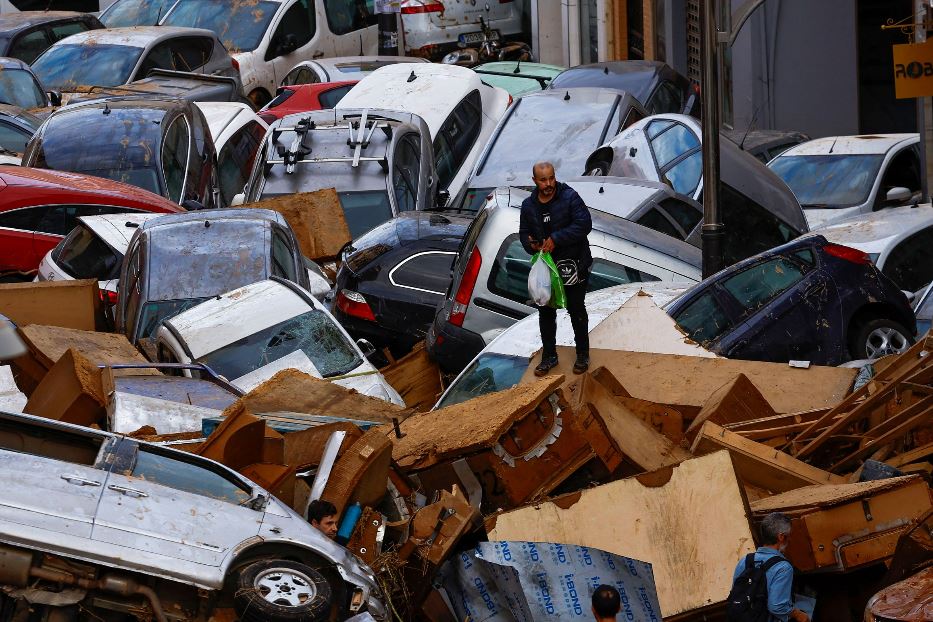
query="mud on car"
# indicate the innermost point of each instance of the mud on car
(97, 526)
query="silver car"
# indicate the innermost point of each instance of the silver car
(96, 522)
(380, 162)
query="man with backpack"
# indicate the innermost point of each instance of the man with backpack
(762, 584)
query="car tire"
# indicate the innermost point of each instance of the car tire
(879, 337)
(599, 168)
(282, 591)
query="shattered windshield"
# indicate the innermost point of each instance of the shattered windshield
(239, 24)
(122, 146)
(66, 67)
(828, 181)
(313, 333)
(488, 373)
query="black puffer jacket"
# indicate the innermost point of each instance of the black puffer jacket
(568, 225)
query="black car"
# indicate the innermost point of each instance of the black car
(653, 83)
(27, 34)
(160, 144)
(16, 128)
(393, 277)
(808, 300)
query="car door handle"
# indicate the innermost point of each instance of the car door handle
(79, 481)
(129, 492)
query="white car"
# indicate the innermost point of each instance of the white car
(434, 27)
(342, 68)
(899, 240)
(839, 176)
(93, 250)
(460, 110)
(238, 133)
(249, 334)
(268, 37)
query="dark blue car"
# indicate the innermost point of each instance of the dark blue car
(807, 300)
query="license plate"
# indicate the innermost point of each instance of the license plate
(470, 38)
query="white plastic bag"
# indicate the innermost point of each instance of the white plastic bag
(539, 282)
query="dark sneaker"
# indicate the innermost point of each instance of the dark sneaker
(582, 364)
(546, 365)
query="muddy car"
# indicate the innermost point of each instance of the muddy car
(96, 526)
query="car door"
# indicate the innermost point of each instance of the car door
(901, 171)
(13, 138)
(52, 478)
(910, 263)
(16, 231)
(178, 507)
(677, 155)
(293, 40)
(787, 308)
(419, 282)
(352, 26)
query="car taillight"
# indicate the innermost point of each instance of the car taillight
(510, 101)
(417, 6)
(108, 297)
(354, 304)
(235, 64)
(848, 253)
(467, 282)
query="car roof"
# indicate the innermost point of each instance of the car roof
(333, 65)
(755, 139)
(18, 20)
(245, 214)
(219, 321)
(434, 92)
(116, 230)
(153, 101)
(7, 62)
(866, 144)
(642, 74)
(134, 36)
(875, 232)
(523, 69)
(76, 183)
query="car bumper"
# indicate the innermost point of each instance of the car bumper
(452, 347)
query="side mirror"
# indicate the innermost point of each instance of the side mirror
(11, 345)
(238, 199)
(191, 205)
(366, 347)
(55, 98)
(898, 194)
(443, 197)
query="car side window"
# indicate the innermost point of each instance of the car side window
(406, 172)
(910, 263)
(685, 215)
(608, 274)
(235, 160)
(903, 171)
(24, 219)
(677, 153)
(672, 143)
(429, 271)
(654, 219)
(757, 285)
(28, 46)
(704, 319)
(63, 445)
(301, 75)
(61, 219)
(133, 293)
(329, 99)
(666, 98)
(175, 157)
(345, 16)
(191, 53)
(12, 138)
(459, 132)
(283, 264)
(298, 21)
(60, 31)
(192, 478)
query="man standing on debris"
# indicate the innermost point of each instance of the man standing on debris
(323, 516)
(762, 584)
(555, 220)
(606, 603)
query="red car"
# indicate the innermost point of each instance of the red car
(39, 207)
(304, 98)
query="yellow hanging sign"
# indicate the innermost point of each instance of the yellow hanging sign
(913, 70)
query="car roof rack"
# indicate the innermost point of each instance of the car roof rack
(360, 133)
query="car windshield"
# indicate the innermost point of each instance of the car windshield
(83, 255)
(239, 25)
(154, 313)
(313, 333)
(489, 373)
(121, 148)
(541, 128)
(828, 181)
(65, 67)
(123, 13)
(17, 87)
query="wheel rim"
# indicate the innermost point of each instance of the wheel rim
(883, 341)
(285, 587)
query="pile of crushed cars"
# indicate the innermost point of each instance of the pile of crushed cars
(163, 491)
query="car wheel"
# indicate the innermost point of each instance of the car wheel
(878, 338)
(259, 97)
(282, 591)
(599, 168)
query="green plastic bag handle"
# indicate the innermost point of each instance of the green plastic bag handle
(558, 296)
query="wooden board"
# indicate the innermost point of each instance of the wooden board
(416, 378)
(828, 495)
(736, 401)
(72, 304)
(316, 218)
(49, 343)
(687, 382)
(689, 521)
(759, 465)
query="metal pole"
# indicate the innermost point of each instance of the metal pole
(713, 229)
(924, 108)
(387, 24)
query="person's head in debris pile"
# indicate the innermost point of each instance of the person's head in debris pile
(774, 530)
(606, 603)
(323, 516)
